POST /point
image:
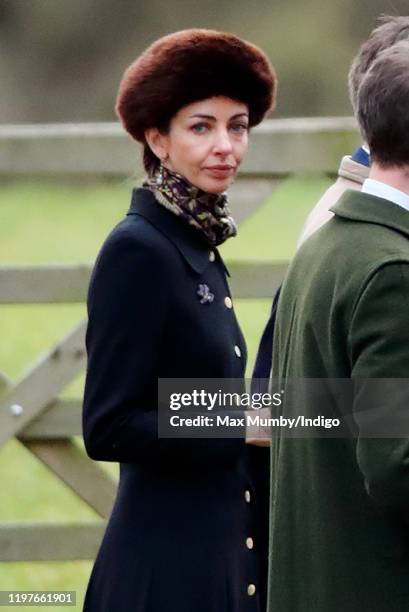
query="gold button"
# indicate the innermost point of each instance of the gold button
(228, 302)
(249, 543)
(212, 256)
(247, 496)
(251, 589)
(237, 350)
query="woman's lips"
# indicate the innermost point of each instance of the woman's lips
(220, 171)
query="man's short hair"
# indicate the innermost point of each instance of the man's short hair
(390, 31)
(383, 106)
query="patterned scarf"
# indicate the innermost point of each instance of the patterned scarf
(207, 212)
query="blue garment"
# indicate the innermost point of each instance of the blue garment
(361, 157)
(262, 367)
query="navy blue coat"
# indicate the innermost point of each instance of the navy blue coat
(177, 538)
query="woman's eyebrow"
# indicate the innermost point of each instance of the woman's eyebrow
(201, 116)
(240, 115)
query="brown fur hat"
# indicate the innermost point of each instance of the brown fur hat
(189, 66)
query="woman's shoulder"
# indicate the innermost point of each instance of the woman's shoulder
(136, 231)
(133, 251)
(136, 238)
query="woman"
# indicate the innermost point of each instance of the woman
(183, 534)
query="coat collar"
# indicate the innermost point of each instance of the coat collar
(359, 206)
(187, 239)
(353, 170)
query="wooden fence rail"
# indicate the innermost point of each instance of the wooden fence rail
(277, 147)
(53, 284)
(30, 409)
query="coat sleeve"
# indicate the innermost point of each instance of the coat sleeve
(128, 312)
(127, 309)
(379, 341)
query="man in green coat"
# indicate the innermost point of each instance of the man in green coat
(339, 538)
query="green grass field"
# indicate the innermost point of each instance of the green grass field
(43, 222)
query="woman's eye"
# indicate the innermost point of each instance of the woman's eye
(239, 128)
(200, 128)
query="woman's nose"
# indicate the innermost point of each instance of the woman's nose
(222, 142)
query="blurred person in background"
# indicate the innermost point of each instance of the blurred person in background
(339, 535)
(188, 531)
(353, 169)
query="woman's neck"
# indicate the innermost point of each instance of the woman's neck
(207, 212)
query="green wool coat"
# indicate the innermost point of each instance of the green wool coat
(339, 533)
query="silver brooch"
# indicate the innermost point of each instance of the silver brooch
(204, 293)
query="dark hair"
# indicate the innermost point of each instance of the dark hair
(390, 31)
(383, 106)
(150, 161)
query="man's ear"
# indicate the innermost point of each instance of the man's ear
(157, 142)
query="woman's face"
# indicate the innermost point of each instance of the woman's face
(206, 142)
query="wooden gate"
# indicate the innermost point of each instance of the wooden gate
(30, 408)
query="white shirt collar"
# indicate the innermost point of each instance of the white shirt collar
(382, 190)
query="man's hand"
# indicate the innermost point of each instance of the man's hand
(257, 434)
